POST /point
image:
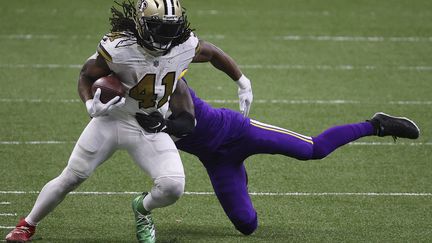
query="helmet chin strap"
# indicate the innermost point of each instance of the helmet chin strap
(158, 49)
(158, 45)
(154, 52)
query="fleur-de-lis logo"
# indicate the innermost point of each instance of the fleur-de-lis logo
(143, 5)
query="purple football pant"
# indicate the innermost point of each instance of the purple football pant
(228, 175)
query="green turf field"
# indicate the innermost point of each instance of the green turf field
(313, 64)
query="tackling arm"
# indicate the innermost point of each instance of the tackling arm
(182, 120)
(208, 52)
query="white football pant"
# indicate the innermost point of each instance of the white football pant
(155, 153)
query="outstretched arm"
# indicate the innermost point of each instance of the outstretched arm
(208, 52)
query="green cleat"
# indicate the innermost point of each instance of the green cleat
(145, 229)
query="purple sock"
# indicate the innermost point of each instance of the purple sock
(334, 137)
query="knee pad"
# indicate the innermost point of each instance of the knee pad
(69, 179)
(168, 188)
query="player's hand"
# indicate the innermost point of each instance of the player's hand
(152, 123)
(245, 95)
(96, 108)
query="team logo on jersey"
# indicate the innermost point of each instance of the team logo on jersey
(143, 5)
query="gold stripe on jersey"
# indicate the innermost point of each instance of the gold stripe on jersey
(281, 130)
(182, 74)
(101, 50)
(197, 48)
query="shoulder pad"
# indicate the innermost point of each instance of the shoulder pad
(111, 44)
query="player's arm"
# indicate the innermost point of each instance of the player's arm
(93, 69)
(182, 120)
(207, 52)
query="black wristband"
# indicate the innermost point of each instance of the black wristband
(182, 125)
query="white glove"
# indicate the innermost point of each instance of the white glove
(245, 94)
(96, 108)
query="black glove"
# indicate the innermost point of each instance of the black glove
(179, 126)
(153, 123)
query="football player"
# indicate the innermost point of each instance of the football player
(149, 48)
(223, 139)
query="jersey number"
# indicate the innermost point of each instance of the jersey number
(144, 91)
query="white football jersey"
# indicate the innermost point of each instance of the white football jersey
(149, 80)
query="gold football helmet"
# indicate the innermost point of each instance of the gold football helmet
(159, 23)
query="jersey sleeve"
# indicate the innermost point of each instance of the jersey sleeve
(115, 47)
(189, 50)
(101, 50)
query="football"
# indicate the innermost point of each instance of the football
(110, 86)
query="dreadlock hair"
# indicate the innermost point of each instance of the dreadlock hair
(124, 20)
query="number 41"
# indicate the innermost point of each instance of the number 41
(144, 91)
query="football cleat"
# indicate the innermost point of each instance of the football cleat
(145, 229)
(397, 127)
(22, 232)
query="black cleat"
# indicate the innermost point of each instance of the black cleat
(398, 127)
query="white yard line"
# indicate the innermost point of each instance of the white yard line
(324, 67)
(6, 227)
(5, 203)
(7, 214)
(329, 38)
(352, 143)
(257, 101)
(374, 194)
(354, 38)
(32, 142)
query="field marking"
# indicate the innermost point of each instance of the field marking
(257, 101)
(390, 144)
(5, 203)
(352, 143)
(32, 142)
(354, 38)
(6, 227)
(331, 38)
(324, 67)
(374, 194)
(8, 214)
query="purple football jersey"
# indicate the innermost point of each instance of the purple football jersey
(215, 127)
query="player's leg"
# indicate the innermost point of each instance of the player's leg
(229, 180)
(381, 125)
(92, 148)
(157, 155)
(264, 138)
